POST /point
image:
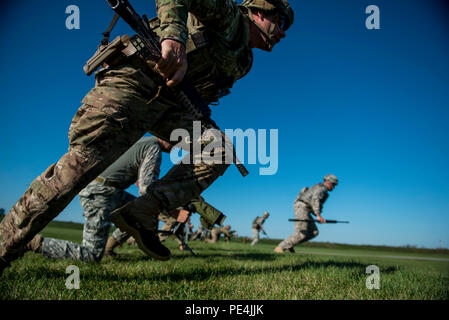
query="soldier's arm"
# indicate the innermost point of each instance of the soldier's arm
(317, 202)
(219, 15)
(149, 168)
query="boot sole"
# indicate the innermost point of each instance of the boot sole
(121, 223)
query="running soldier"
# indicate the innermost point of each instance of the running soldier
(131, 98)
(201, 233)
(308, 202)
(218, 231)
(257, 226)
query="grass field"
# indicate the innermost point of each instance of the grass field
(233, 271)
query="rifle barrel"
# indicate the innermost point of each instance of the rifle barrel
(314, 220)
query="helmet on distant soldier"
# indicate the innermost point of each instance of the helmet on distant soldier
(282, 7)
(331, 178)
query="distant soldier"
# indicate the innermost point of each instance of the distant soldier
(169, 224)
(257, 226)
(218, 231)
(106, 193)
(309, 201)
(201, 233)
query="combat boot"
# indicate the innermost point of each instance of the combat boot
(278, 250)
(35, 244)
(147, 240)
(110, 246)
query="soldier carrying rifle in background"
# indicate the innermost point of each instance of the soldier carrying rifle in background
(257, 226)
(308, 202)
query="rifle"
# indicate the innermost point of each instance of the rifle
(174, 231)
(314, 220)
(146, 42)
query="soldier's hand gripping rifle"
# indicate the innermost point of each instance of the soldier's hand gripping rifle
(314, 220)
(147, 44)
(175, 230)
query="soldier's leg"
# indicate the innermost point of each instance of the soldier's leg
(104, 127)
(213, 239)
(300, 234)
(255, 237)
(312, 230)
(98, 202)
(181, 184)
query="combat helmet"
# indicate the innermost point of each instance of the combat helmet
(331, 178)
(281, 6)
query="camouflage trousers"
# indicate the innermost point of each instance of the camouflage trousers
(169, 223)
(200, 234)
(255, 236)
(97, 201)
(304, 231)
(215, 236)
(124, 104)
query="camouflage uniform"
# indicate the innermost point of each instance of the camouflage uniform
(128, 100)
(140, 163)
(217, 232)
(169, 223)
(310, 201)
(257, 225)
(201, 233)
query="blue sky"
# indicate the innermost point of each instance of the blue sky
(370, 106)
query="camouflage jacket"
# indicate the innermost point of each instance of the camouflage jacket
(314, 197)
(258, 222)
(216, 34)
(221, 230)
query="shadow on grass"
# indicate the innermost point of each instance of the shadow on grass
(193, 274)
(235, 256)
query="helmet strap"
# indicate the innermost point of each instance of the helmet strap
(268, 36)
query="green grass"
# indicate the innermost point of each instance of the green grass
(227, 271)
